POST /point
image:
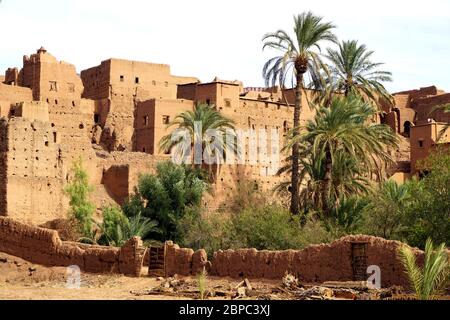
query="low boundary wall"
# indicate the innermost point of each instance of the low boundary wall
(43, 246)
(314, 264)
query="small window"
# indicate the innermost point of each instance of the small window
(71, 87)
(73, 103)
(166, 119)
(54, 137)
(420, 143)
(122, 78)
(96, 118)
(154, 82)
(136, 80)
(208, 102)
(56, 101)
(53, 86)
(143, 149)
(145, 121)
(227, 103)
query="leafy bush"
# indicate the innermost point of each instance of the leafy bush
(266, 227)
(81, 209)
(385, 214)
(117, 229)
(166, 196)
(429, 214)
(347, 217)
(271, 227)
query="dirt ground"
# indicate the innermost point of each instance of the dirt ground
(21, 280)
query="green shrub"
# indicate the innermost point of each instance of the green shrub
(117, 229)
(78, 190)
(199, 232)
(385, 214)
(166, 196)
(267, 227)
(428, 216)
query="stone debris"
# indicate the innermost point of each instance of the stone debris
(290, 281)
(289, 289)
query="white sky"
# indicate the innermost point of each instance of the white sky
(208, 38)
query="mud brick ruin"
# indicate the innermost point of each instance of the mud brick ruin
(113, 117)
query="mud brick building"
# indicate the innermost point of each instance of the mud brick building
(114, 114)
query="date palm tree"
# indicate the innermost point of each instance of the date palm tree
(343, 131)
(433, 278)
(348, 179)
(201, 131)
(298, 56)
(353, 72)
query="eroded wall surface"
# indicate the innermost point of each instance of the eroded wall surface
(314, 264)
(43, 246)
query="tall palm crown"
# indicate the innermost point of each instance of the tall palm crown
(297, 57)
(353, 72)
(342, 131)
(197, 126)
(297, 54)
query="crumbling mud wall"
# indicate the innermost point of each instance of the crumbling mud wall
(43, 246)
(317, 263)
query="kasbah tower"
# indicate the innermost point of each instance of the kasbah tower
(113, 116)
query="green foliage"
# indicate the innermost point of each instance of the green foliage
(298, 53)
(433, 278)
(78, 190)
(429, 214)
(117, 229)
(297, 56)
(385, 215)
(166, 196)
(339, 148)
(347, 216)
(209, 119)
(202, 279)
(353, 72)
(264, 228)
(271, 228)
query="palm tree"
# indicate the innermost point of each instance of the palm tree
(297, 58)
(200, 128)
(352, 72)
(348, 179)
(433, 278)
(343, 131)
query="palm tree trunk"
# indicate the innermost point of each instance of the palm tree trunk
(326, 183)
(295, 148)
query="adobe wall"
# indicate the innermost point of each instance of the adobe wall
(314, 264)
(152, 117)
(32, 171)
(119, 171)
(43, 246)
(424, 108)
